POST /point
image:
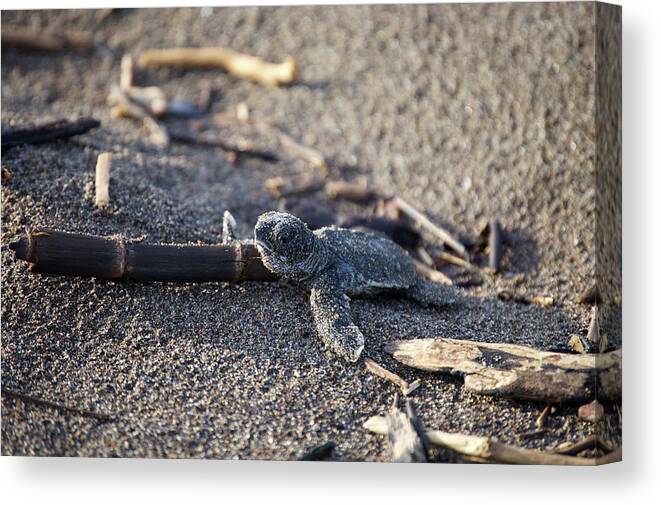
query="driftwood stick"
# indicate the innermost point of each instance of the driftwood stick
(102, 182)
(354, 192)
(66, 409)
(425, 222)
(589, 442)
(379, 371)
(279, 187)
(190, 139)
(319, 453)
(237, 64)
(124, 105)
(516, 371)
(60, 253)
(431, 273)
(406, 435)
(495, 245)
(126, 72)
(286, 141)
(456, 260)
(486, 449)
(49, 132)
(30, 40)
(541, 420)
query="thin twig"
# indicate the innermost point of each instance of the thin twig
(49, 132)
(60, 407)
(541, 420)
(378, 370)
(425, 222)
(430, 273)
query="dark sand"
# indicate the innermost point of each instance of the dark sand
(467, 111)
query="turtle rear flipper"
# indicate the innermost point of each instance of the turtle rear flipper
(334, 325)
(428, 293)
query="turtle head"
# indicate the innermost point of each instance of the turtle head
(286, 244)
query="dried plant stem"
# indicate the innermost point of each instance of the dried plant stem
(30, 40)
(60, 407)
(102, 182)
(430, 273)
(425, 222)
(49, 132)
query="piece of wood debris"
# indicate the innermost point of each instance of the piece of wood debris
(238, 151)
(541, 420)
(444, 236)
(379, 371)
(455, 260)
(406, 435)
(102, 181)
(412, 387)
(126, 72)
(542, 300)
(320, 453)
(60, 407)
(351, 191)
(596, 339)
(495, 245)
(125, 105)
(592, 411)
(234, 63)
(59, 253)
(28, 39)
(516, 371)
(531, 435)
(485, 449)
(281, 187)
(294, 148)
(576, 344)
(49, 132)
(593, 442)
(590, 296)
(431, 273)
(425, 257)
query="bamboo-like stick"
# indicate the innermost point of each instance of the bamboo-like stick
(60, 253)
(522, 372)
(49, 132)
(425, 222)
(485, 449)
(30, 40)
(102, 182)
(234, 63)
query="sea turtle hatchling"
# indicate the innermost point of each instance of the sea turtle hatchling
(335, 264)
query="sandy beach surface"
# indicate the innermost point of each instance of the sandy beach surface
(470, 112)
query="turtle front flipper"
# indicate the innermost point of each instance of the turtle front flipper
(332, 318)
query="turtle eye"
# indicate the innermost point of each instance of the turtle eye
(285, 235)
